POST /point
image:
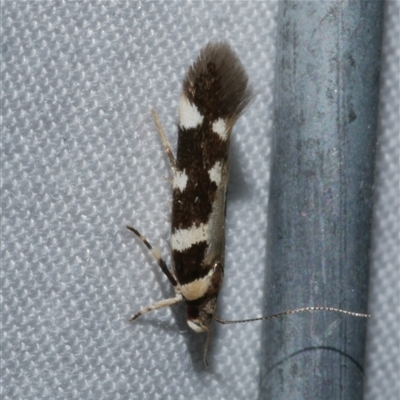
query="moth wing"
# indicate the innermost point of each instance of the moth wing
(216, 249)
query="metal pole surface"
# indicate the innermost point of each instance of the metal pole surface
(321, 194)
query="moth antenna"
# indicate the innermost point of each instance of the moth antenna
(156, 255)
(299, 310)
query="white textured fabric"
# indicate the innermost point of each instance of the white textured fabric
(81, 159)
(383, 344)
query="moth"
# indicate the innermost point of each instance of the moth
(216, 91)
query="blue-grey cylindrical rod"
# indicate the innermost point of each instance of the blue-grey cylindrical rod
(320, 209)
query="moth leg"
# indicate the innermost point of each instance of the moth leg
(158, 305)
(164, 140)
(169, 180)
(157, 256)
(207, 344)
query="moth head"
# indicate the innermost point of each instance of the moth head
(200, 316)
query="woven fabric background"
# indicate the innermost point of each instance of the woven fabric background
(81, 159)
(383, 344)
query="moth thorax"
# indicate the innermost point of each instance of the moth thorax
(200, 316)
